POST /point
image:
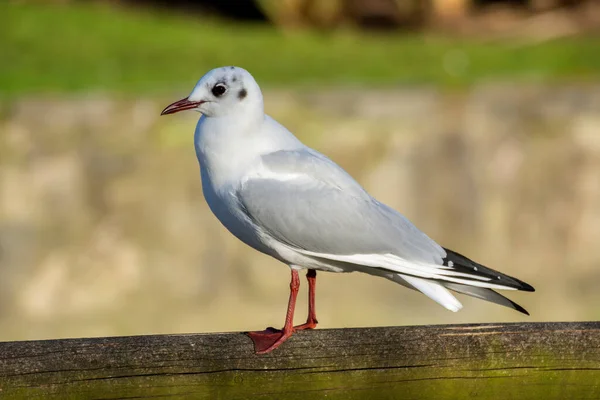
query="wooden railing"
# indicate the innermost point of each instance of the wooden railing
(489, 361)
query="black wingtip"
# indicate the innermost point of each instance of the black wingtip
(519, 308)
(525, 287)
(466, 265)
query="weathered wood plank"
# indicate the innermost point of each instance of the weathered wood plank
(491, 361)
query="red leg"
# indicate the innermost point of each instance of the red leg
(270, 339)
(311, 322)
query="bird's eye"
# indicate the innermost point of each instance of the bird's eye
(219, 89)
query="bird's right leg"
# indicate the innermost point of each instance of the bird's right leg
(270, 339)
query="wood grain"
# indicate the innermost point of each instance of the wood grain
(489, 361)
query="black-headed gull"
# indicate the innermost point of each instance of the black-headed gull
(291, 202)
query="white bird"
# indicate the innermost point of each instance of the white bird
(291, 202)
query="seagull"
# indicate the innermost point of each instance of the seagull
(293, 203)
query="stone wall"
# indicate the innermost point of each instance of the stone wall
(104, 230)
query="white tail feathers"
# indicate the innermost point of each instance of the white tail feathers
(434, 291)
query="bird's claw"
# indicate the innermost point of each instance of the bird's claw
(269, 339)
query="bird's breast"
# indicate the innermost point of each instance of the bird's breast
(224, 204)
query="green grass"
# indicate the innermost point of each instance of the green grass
(91, 48)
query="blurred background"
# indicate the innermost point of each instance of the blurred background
(477, 119)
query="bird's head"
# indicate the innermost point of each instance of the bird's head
(221, 92)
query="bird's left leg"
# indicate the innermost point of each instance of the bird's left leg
(270, 339)
(311, 321)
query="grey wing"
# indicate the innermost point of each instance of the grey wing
(305, 201)
(321, 209)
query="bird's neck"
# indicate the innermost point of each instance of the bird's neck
(226, 145)
(228, 148)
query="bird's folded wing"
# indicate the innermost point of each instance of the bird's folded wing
(309, 203)
(305, 201)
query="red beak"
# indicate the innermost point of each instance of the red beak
(181, 105)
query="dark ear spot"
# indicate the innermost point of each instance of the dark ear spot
(242, 94)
